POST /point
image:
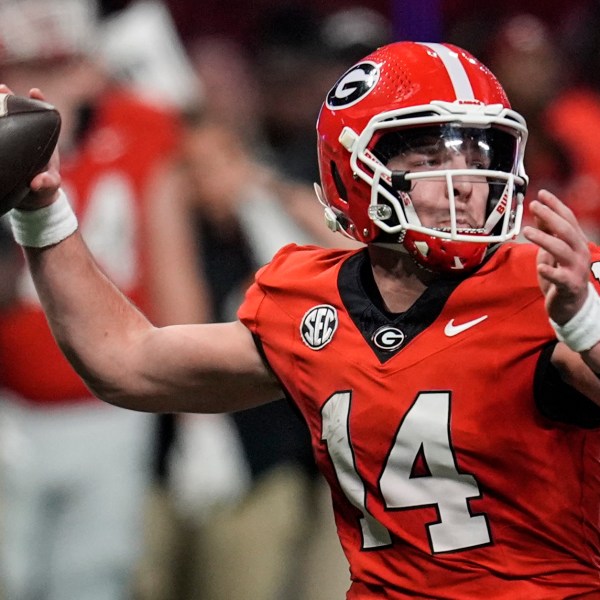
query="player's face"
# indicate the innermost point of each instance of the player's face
(431, 196)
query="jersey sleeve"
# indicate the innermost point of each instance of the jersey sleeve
(248, 311)
(256, 293)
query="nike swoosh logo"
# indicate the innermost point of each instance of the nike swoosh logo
(451, 329)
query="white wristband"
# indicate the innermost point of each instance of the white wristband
(45, 226)
(582, 331)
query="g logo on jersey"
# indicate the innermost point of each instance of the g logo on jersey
(354, 85)
(318, 326)
(388, 338)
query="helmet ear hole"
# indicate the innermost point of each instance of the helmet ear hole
(339, 184)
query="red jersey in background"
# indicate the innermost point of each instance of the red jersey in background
(105, 179)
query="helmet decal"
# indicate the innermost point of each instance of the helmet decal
(354, 85)
(456, 72)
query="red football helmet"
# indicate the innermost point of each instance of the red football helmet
(438, 101)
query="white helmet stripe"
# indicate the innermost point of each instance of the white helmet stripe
(457, 73)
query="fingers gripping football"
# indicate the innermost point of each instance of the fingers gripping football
(29, 130)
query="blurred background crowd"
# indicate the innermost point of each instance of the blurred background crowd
(188, 152)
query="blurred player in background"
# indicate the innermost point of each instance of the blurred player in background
(11, 266)
(449, 377)
(251, 167)
(74, 471)
(236, 206)
(562, 112)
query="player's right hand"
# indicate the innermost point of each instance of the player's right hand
(45, 185)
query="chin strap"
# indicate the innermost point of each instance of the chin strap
(332, 219)
(437, 255)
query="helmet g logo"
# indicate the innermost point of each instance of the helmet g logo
(354, 85)
(318, 326)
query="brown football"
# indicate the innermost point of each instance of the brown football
(28, 135)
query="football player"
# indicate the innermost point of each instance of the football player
(448, 375)
(74, 472)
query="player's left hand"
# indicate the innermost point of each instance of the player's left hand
(563, 260)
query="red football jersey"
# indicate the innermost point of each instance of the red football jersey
(447, 480)
(105, 179)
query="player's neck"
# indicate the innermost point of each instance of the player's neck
(399, 280)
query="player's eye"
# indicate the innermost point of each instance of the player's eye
(430, 157)
(478, 161)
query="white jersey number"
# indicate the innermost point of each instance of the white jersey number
(423, 433)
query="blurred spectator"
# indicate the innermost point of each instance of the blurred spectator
(530, 66)
(75, 471)
(228, 77)
(295, 39)
(248, 538)
(11, 263)
(141, 47)
(562, 114)
(352, 32)
(223, 549)
(250, 166)
(241, 20)
(472, 22)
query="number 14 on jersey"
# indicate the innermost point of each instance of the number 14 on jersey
(424, 432)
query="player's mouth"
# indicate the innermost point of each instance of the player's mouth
(462, 225)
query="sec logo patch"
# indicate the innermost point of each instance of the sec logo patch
(318, 326)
